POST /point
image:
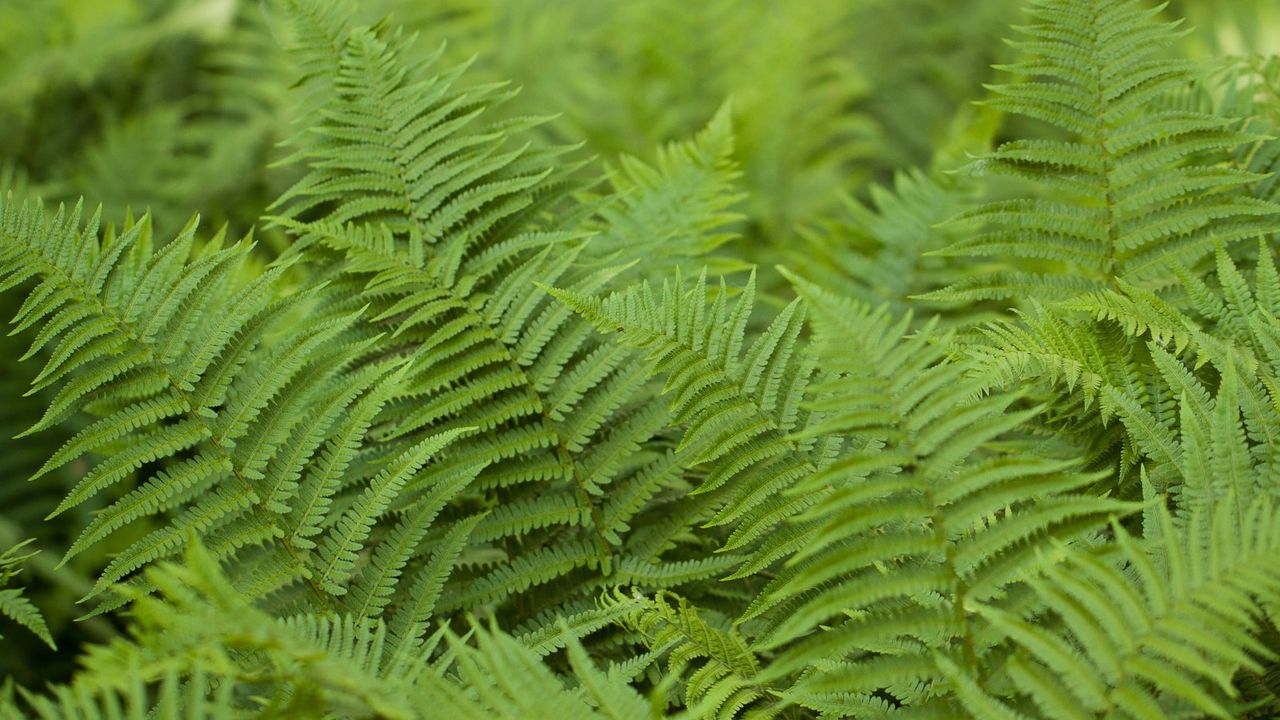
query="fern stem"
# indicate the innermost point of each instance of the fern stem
(1112, 269)
(584, 500)
(939, 524)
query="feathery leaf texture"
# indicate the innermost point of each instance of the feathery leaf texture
(13, 604)
(184, 359)
(1128, 190)
(1155, 632)
(479, 427)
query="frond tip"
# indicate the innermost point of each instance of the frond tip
(13, 604)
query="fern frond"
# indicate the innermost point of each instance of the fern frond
(929, 514)
(1145, 359)
(740, 406)
(167, 347)
(508, 681)
(13, 605)
(93, 292)
(877, 251)
(1164, 635)
(201, 650)
(435, 216)
(1125, 194)
(726, 667)
(681, 207)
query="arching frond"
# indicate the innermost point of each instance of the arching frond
(169, 349)
(436, 216)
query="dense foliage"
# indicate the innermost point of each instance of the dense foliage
(648, 358)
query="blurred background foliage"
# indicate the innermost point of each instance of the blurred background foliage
(179, 106)
(175, 104)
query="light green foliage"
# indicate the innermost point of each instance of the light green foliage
(486, 399)
(1151, 641)
(1128, 191)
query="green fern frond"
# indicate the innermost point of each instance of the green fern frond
(508, 681)
(1164, 635)
(199, 647)
(13, 605)
(1124, 194)
(176, 696)
(927, 515)
(131, 336)
(91, 296)
(680, 207)
(877, 251)
(444, 237)
(739, 405)
(1156, 363)
(726, 667)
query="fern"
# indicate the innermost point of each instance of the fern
(879, 252)
(1125, 194)
(1156, 382)
(12, 603)
(177, 384)
(447, 272)
(1164, 638)
(739, 404)
(725, 679)
(463, 428)
(201, 646)
(680, 207)
(928, 495)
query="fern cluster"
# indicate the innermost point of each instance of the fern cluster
(446, 415)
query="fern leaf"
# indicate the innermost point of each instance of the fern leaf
(339, 550)
(1126, 193)
(1153, 639)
